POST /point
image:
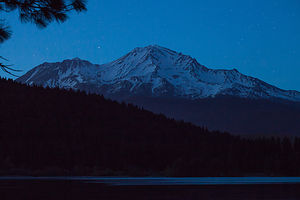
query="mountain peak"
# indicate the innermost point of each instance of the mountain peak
(76, 59)
(151, 46)
(76, 62)
(153, 70)
(157, 47)
(154, 49)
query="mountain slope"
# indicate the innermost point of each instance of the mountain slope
(153, 71)
(54, 132)
(252, 117)
(167, 82)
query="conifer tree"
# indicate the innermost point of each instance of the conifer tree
(39, 12)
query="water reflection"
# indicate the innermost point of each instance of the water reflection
(88, 188)
(193, 181)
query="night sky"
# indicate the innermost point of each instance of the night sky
(260, 38)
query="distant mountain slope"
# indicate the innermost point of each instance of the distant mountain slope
(54, 132)
(153, 71)
(236, 115)
(164, 81)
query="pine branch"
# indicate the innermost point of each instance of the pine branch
(7, 68)
(40, 12)
(5, 32)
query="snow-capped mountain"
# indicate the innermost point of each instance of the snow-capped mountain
(153, 71)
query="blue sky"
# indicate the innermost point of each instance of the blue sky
(260, 38)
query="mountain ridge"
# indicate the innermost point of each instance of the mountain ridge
(176, 85)
(153, 71)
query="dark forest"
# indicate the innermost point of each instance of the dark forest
(52, 132)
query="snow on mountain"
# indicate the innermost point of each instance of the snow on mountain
(153, 71)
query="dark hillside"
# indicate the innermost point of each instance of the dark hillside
(240, 116)
(60, 132)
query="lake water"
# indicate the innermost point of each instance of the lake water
(92, 188)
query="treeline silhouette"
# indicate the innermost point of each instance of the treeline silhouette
(51, 132)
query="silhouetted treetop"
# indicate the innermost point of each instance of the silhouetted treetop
(39, 12)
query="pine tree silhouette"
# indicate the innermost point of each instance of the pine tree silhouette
(39, 12)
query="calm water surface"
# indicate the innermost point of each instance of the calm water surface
(89, 188)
